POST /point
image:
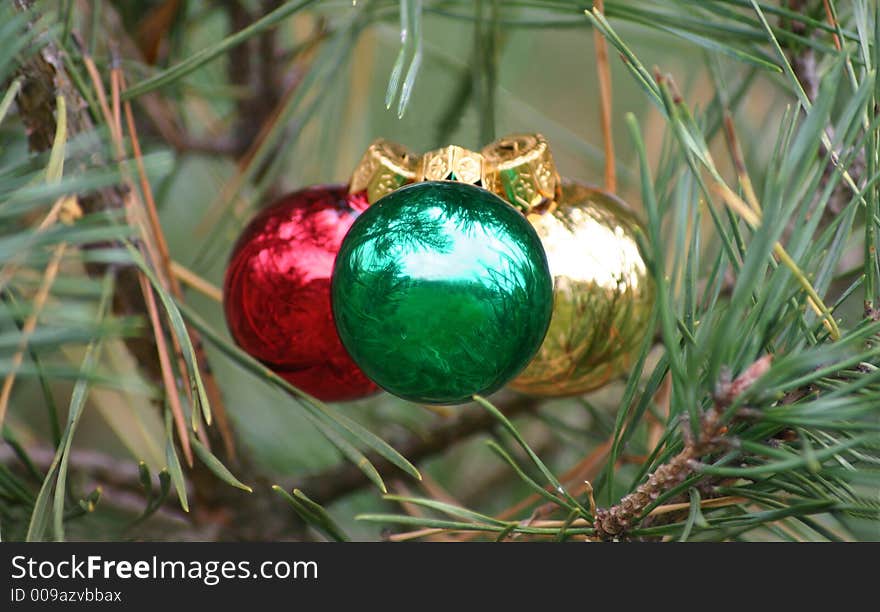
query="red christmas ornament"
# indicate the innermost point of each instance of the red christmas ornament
(276, 294)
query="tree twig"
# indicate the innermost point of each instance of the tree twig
(612, 523)
(603, 72)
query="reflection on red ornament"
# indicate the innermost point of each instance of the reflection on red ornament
(276, 294)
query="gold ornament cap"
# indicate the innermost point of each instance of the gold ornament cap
(521, 170)
(385, 167)
(452, 163)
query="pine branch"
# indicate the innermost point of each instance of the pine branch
(710, 439)
(818, 395)
(803, 62)
(323, 488)
(252, 67)
(341, 480)
(44, 76)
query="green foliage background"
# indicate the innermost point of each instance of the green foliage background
(488, 67)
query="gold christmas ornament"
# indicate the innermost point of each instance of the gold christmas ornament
(602, 292)
(384, 167)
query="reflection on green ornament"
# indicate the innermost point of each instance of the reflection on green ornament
(440, 291)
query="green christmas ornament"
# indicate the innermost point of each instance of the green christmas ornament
(440, 291)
